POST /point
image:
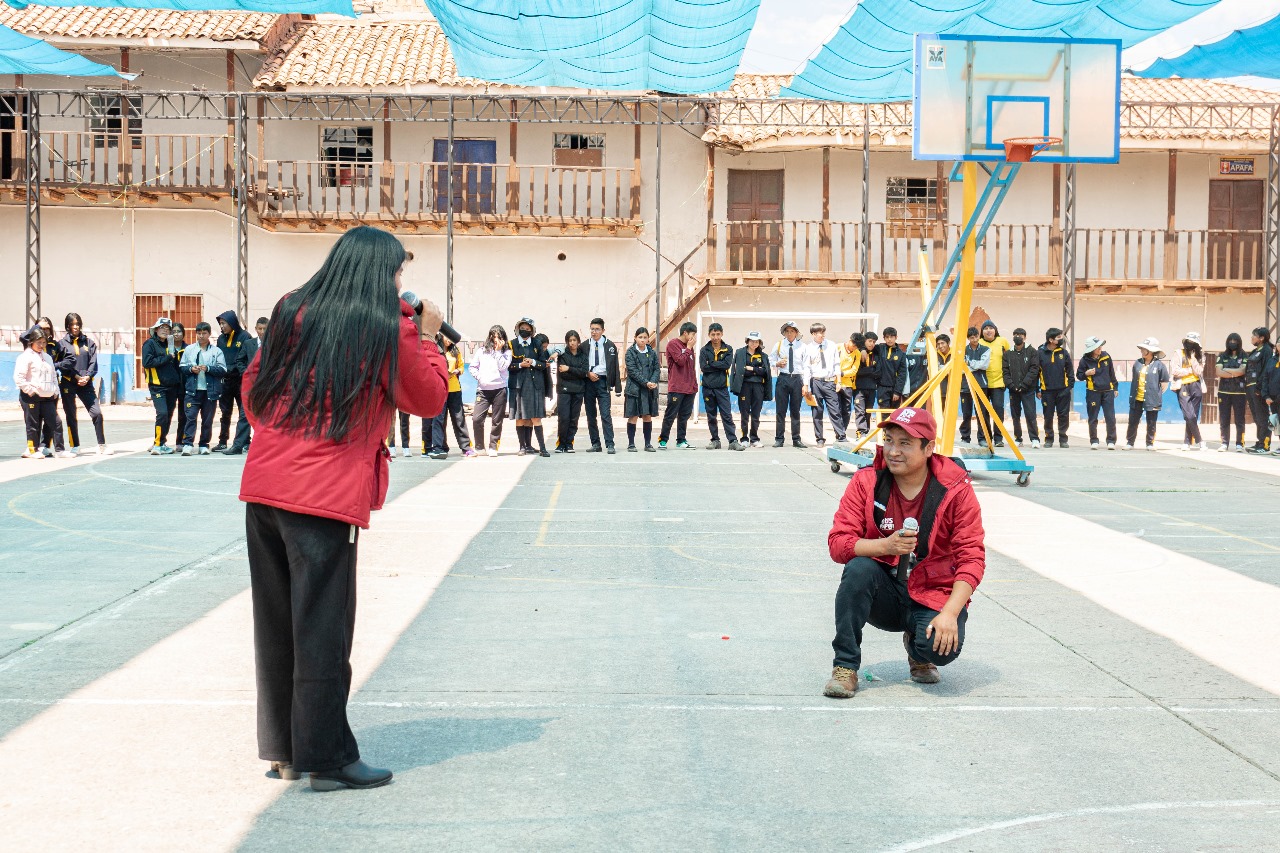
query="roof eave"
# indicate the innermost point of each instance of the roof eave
(77, 43)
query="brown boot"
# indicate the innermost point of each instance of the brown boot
(843, 683)
(921, 672)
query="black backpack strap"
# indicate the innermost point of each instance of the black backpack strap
(884, 482)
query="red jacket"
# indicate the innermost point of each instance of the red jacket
(347, 479)
(956, 547)
(682, 370)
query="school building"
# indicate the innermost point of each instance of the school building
(222, 173)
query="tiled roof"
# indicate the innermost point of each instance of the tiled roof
(86, 22)
(1153, 110)
(362, 55)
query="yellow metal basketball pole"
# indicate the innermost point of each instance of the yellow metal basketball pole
(955, 370)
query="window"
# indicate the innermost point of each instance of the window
(105, 112)
(578, 150)
(910, 200)
(347, 153)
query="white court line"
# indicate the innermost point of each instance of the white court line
(1195, 604)
(16, 469)
(188, 768)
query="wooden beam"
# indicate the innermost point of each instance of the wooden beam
(384, 185)
(711, 206)
(1055, 225)
(824, 229)
(635, 171)
(1170, 234)
(513, 170)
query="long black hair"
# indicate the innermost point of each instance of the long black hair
(1193, 349)
(334, 340)
(1235, 345)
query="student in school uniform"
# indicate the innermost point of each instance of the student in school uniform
(682, 386)
(164, 382)
(491, 369)
(37, 381)
(78, 368)
(437, 445)
(942, 343)
(1057, 378)
(1021, 371)
(1148, 382)
(788, 390)
(1231, 396)
(1188, 381)
(1098, 372)
(54, 352)
(716, 360)
(204, 367)
(244, 432)
(643, 373)
(913, 371)
(850, 360)
(178, 344)
(232, 343)
(977, 357)
(571, 374)
(989, 337)
(526, 388)
(603, 376)
(750, 384)
(866, 384)
(821, 373)
(888, 357)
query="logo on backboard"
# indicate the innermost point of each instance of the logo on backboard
(935, 57)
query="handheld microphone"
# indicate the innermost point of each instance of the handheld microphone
(416, 304)
(907, 562)
(911, 524)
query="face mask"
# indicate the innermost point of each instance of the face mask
(1018, 339)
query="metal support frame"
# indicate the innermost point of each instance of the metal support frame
(1069, 259)
(448, 220)
(1272, 226)
(657, 227)
(865, 300)
(32, 188)
(241, 167)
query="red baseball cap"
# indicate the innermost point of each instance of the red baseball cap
(916, 422)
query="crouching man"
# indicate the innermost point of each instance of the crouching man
(895, 579)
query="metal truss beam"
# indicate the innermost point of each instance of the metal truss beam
(31, 186)
(1272, 225)
(241, 193)
(1069, 259)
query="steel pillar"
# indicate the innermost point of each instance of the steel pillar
(865, 300)
(448, 220)
(32, 187)
(1069, 259)
(1272, 226)
(241, 167)
(657, 226)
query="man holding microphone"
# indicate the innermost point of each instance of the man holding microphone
(909, 534)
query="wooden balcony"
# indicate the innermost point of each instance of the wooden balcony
(813, 252)
(487, 198)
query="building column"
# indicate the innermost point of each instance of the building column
(1171, 234)
(824, 230)
(712, 251)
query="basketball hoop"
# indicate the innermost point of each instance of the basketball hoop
(1024, 148)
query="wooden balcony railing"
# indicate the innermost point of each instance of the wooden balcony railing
(163, 162)
(419, 191)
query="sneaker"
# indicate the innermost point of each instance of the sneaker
(683, 445)
(649, 448)
(713, 444)
(595, 448)
(1128, 447)
(921, 672)
(1017, 441)
(778, 442)
(1062, 443)
(754, 443)
(610, 450)
(521, 452)
(32, 454)
(1239, 448)
(964, 442)
(843, 683)
(662, 442)
(492, 451)
(1255, 449)
(204, 451)
(221, 446)
(104, 450)
(468, 453)
(1185, 448)
(1151, 447)
(406, 453)
(631, 448)
(1093, 445)
(1111, 445)
(233, 450)
(982, 442)
(1222, 448)
(155, 450)
(569, 449)
(734, 445)
(66, 454)
(562, 450)
(47, 453)
(822, 442)
(188, 450)
(842, 441)
(439, 455)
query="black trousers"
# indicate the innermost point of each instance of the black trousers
(966, 416)
(869, 595)
(1136, 412)
(1231, 409)
(489, 402)
(597, 400)
(1190, 401)
(230, 394)
(884, 399)
(749, 406)
(302, 570)
(787, 395)
(996, 396)
(828, 397)
(452, 412)
(679, 410)
(198, 404)
(1022, 406)
(1258, 408)
(89, 399)
(1056, 401)
(165, 399)
(568, 413)
(864, 400)
(39, 415)
(244, 433)
(1104, 403)
(716, 401)
(845, 395)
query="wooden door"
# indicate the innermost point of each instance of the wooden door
(13, 109)
(148, 307)
(755, 219)
(1235, 230)
(473, 175)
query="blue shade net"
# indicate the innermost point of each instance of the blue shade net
(678, 46)
(280, 7)
(1252, 52)
(21, 54)
(869, 58)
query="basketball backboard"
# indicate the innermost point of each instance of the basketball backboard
(974, 92)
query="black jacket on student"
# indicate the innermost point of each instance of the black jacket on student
(754, 369)
(1021, 369)
(715, 363)
(612, 374)
(888, 361)
(868, 378)
(1104, 379)
(1055, 368)
(159, 366)
(913, 368)
(573, 380)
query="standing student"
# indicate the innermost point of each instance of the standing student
(603, 376)
(571, 371)
(850, 360)
(232, 342)
(1057, 379)
(1147, 385)
(404, 436)
(942, 343)
(1188, 381)
(977, 357)
(204, 370)
(54, 352)
(821, 373)
(1021, 372)
(643, 373)
(1255, 376)
(866, 384)
(716, 360)
(178, 345)
(1231, 396)
(1272, 394)
(788, 390)
(37, 381)
(682, 386)
(243, 432)
(491, 370)
(452, 411)
(750, 384)
(913, 371)
(888, 357)
(990, 338)
(78, 368)
(527, 388)
(1098, 372)
(164, 382)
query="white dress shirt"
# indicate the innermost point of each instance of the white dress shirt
(821, 361)
(792, 351)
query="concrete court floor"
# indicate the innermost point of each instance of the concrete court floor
(627, 653)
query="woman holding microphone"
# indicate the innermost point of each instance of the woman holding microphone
(342, 353)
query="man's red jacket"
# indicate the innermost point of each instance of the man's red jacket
(682, 371)
(956, 542)
(343, 480)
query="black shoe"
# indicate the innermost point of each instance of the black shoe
(800, 444)
(595, 448)
(544, 454)
(631, 448)
(284, 770)
(569, 449)
(355, 775)
(233, 451)
(222, 445)
(562, 450)
(612, 451)
(822, 442)
(1063, 444)
(778, 443)
(521, 452)
(649, 448)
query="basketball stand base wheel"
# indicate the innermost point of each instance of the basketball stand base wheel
(835, 466)
(1024, 477)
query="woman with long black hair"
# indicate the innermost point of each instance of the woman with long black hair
(1188, 381)
(341, 354)
(491, 369)
(1231, 396)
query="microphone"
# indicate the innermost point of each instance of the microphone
(911, 524)
(416, 304)
(907, 562)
